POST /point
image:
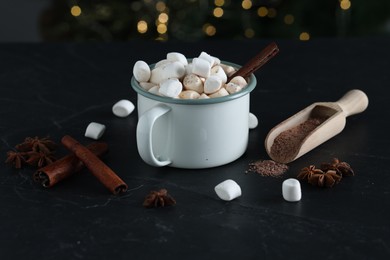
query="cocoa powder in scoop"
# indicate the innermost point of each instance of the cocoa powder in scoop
(286, 145)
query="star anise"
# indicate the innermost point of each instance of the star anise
(319, 178)
(307, 172)
(36, 144)
(341, 168)
(327, 179)
(159, 198)
(15, 158)
(40, 158)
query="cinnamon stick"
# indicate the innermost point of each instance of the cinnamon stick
(65, 167)
(257, 61)
(98, 168)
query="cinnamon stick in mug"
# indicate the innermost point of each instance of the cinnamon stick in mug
(65, 167)
(98, 168)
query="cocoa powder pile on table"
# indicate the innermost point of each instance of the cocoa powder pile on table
(286, 145)
(268, 168)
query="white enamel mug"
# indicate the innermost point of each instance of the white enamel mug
(192, 133)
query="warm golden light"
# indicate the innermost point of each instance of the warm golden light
(262, 11)
(304, 36)
(163, 18)
(160, 6)
(288, 19)
(219, 2)
(142, 26)
(249, 33)
(75, 10)
(272, 12)
(345, 4)
(246, 4)
(209, 29)
(218, 12)
(162, 28)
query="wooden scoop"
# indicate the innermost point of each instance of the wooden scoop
(312, 126)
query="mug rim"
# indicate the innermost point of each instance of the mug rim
(247, 89)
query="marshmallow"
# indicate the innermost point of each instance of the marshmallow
(171, 70)
(239, 81)
(220, 93)
(176, 56)
(171, 88)
(212, 84)
(201, 67)
(188, 68)
(291, 190)
(228, 190)
(203, 96)
(95, 130)
(253, 122)
(123, 108)
(146, 85)
(216, 60)
(141, 71)
(189, 94)
(232, 88)
(155, 90)
(193, 82)
(161, 63)
(205, 56)
(219, 72)
(229, 70)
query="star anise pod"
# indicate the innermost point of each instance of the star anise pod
(159, 198)
(327, 179)
(36, 144)
(341, 168)
(307, 172)
(15, 158)
(40, 158)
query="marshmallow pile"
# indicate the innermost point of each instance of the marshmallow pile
(205, 77)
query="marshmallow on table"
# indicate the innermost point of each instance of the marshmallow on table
(228, 190)
(253, 121)
(212, 84)
(123, 108)
(170, 88)
(141, 71)
(201, 67)
(176, 56)
(193, 82)
(291, 190)
(95, 130)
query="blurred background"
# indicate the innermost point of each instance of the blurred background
(190, 20)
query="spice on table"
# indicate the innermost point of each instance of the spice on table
(34, 151)
(97, 167)
(319, 178)
(159, 198)
(342, 168)
(65, 167)
(268, 168)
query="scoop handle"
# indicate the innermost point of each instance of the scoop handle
(353, 102)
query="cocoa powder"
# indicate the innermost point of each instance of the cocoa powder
(287, 144)
(268, 168)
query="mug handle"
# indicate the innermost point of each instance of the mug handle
(144, 134)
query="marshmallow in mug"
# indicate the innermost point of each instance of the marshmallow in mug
(205, 75)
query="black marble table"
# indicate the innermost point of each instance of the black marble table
(58, 89)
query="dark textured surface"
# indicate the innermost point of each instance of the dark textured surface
(57, 89)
